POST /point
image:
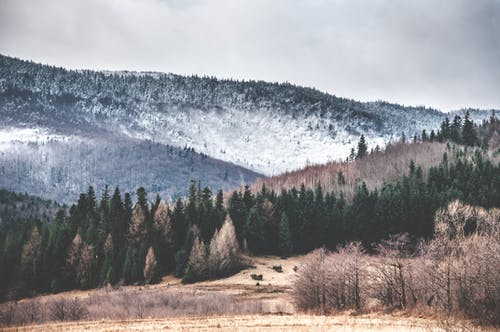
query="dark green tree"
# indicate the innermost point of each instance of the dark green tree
(285, 237)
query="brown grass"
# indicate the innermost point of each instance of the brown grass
(233, 303)
(296, 322)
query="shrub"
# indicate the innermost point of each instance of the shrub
(278, 268)
(256, 276)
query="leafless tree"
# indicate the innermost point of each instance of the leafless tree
(150, 266)
(390, 272)
(197, 267)
(162, 223)
(332, 281)
(225, 256)
(137, 226)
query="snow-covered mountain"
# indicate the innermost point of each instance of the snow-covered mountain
(266, 127)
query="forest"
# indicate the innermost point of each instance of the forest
(115, 240)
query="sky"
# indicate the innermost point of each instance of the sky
(439, 53)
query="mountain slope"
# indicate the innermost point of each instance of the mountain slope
(267, 127)
(59, 167)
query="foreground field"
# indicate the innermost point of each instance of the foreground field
(234, 303)
(261, 323)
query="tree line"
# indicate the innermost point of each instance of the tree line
(112, 240)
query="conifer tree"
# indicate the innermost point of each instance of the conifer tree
(106, 275)
(468, 133)
(285, 237)
(31, 258)
(362, 148)
(219, 208)
(164, 237)
(238, 212)
(254, 232)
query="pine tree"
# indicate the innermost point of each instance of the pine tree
(432, 136)
(455, 129)
(468, 134)
(238, 212)
(106, 275)
(285, 238)
(219, 209)
(31, 259)
(164, 237)
(362, 148)
(270, 231)
(254, 233)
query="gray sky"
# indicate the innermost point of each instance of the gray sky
(444, 54)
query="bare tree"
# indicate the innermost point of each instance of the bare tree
(137, 227)
(461, 263)
(332, 281)
(225, 255)
(197, 266)
(390, 272)
(150, 266)
(162, 223)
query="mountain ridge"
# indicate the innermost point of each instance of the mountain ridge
(250, 127)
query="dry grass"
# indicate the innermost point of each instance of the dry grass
(300, 322)
(229, 304)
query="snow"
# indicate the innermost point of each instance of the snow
(14, 135)
(266, 142)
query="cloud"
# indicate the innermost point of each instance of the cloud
(444, 54)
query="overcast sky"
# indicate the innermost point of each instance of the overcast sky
(444, 54)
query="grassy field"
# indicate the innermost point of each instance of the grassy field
(271, 322)
(234, 303)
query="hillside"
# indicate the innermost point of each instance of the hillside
(375, 169)
(227, 120)
(59, 167)
(15, 207)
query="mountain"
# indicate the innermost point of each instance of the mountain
(160, 130)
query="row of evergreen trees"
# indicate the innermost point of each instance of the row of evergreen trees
(460, 131)
(112, 240)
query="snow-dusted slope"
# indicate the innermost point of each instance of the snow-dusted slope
(267, 127)
(263, 141)
(60, 167)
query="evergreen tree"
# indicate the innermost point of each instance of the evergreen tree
(107, 274)
(285, 238)
(164, 237)
(238, 212)
(254, 231)
(432, 136)
(179, 226)
(468, 134)
(362, 148)
(31, 259)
